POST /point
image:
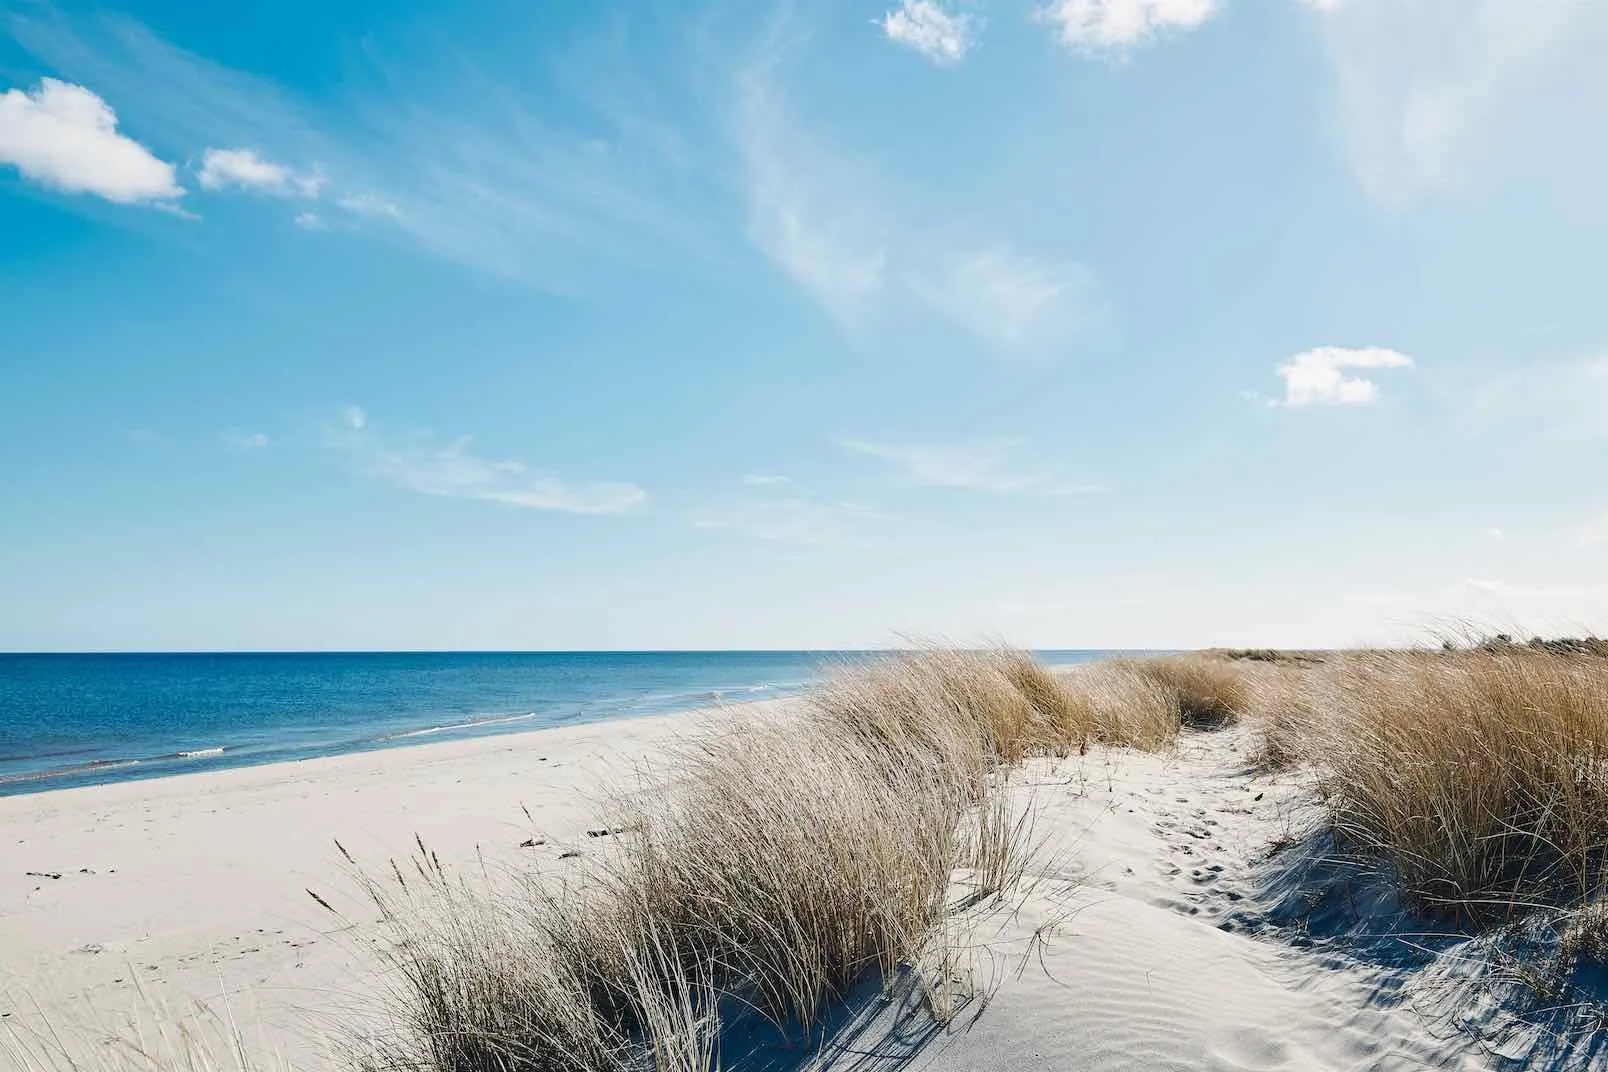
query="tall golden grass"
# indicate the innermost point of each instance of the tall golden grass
(788, 861)
(1207, 691)
(791, 859)
(1482, 775)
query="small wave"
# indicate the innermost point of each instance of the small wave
(96, 766)
(457, 726)
(198, 753)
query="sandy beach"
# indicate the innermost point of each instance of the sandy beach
(140, 898)
(1130, 947)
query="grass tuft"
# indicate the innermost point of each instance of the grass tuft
(1209, 692)
(1482, 775)
(787, 862)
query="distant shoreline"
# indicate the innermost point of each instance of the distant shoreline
(101, 718)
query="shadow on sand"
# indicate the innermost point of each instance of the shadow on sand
(1510, 990)
(875, 1028)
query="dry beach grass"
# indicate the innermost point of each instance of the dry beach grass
(787, 862)
(1479, 774)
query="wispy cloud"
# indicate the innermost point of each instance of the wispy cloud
(511, 186)
(246, 440)
(765, 480)
(925, 26)
(1116, 26)
(245, 169)
(65, 137)
(1010, 299)
(1443, 96)
(809, 207)
(523, 188)
(979, 465)
(867, 249)
(369, 204)
(1318, 377)
(419, 463)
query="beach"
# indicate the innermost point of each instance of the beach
(126, 905)
(133, 900)
(1140, 893)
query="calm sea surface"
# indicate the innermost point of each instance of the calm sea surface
(82, 719)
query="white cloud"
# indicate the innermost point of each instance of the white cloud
(454, 470)
(1438, 96)
(311, 221)
(1325, 5)
(65, 137)
(540, 190)
(244, 169)
(1117, 25)
(762, 480)
(1317, 376)
(926, 27)
(247, 440)
(979, 465)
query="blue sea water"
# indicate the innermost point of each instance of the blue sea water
(70, 720)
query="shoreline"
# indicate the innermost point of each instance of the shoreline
(367, 714)
(162, 892)
(223, 758)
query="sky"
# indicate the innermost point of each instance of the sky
(756, 324)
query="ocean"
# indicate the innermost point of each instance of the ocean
(69, 719)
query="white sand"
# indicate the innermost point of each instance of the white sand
(1115, 960)
(195, 885)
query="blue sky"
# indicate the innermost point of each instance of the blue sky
(1083, 323)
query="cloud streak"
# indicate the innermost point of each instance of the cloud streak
(809, 208)
(985, 465)
(65, 137)
(1014, 301)
(453, 470)
(867, 250)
